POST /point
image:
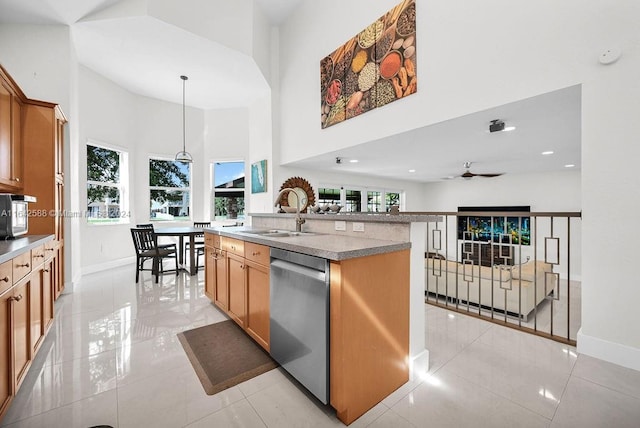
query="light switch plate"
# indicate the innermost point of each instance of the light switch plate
(358, 227)
(341, 225)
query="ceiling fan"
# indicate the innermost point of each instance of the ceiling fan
(469, 175)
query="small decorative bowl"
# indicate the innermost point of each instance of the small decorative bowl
(335, 208)
(325, 207)
(315, 209)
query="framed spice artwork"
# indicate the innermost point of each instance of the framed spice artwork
(372, 69)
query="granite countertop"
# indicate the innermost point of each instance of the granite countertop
(14, 247)
(327, 246)
(360, 217)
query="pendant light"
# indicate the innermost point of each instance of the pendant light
(183, 156)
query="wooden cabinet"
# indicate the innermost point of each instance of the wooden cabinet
(215, 287)
(235, 278)
(6, 379)
(19, 307)
(11, 129)
(369, 324)
(26, 314)
(44, 177)
(237, 281)
(257, 289)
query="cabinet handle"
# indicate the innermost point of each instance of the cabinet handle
(24, 265)
(5, 279)
(45, 270)
(16, 298)
(39, 255)
(17, 179)
(48, 249)
(255, 253)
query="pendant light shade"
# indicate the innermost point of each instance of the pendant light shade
(184, 155)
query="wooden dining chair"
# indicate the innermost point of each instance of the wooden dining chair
(198, 244)
(145, 242)
(165, 246)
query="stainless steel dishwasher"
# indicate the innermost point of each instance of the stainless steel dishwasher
(300, 318)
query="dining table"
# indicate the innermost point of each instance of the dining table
(182, 232)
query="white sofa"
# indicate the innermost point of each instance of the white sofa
(460, 281)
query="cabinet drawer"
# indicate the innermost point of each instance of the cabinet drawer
(211, 240)
(21, 266)
(231, 245)
(37, 256)
(257, 253)
(6, 276)
(50, 248)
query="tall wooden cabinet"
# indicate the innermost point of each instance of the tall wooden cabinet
(44, 178)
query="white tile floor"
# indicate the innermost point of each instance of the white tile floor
(112, 358)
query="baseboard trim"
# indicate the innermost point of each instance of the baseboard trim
(612, 352)
(107, 265)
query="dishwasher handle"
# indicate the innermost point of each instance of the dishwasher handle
(299, 269)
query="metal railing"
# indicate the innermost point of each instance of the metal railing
(517, 269)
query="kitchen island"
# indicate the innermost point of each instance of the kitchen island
(368, 316)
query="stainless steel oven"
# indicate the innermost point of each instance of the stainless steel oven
(14, 215)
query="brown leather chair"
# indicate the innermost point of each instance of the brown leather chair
(146, 245)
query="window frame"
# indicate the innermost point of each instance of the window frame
(151, 188)
(364, 193)
(122, 186)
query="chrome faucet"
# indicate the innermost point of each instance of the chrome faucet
(299, 220)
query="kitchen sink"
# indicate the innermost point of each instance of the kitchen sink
(275, 233)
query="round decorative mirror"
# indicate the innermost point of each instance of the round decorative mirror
(302, 189)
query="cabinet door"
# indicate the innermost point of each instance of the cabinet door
(209, 273)
(35, 310)
(221, 291)
(6, 377)
(5, 135)
(21, 327)
(16, 142)
(47, 295)
(258, 303)
(236, 281)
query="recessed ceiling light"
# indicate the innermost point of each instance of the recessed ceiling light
(509, 128)
(547, 153)
(354, 161)
(569, 165)
(412, 170)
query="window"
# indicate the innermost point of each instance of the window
(170, 188)
(353, 199)
(353, 202)
(329, 195)
(391, 198)
(374, 200)
(107, 182)
(228, 190)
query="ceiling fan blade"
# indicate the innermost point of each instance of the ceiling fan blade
(489, 175)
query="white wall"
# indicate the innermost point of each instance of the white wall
(543, 192)
(611, 202)
(477, 55)
(226, 139)
(143, 127)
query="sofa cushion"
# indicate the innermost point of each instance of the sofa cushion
(495, 273)
(527, 271)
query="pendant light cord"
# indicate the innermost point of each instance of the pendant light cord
(184, 132)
